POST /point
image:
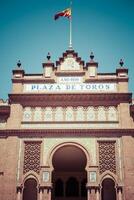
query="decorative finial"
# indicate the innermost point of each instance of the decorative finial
(92, 56)
(48, 56)
(121, 63)
(19, 64)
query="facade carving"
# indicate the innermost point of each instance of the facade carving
(70, 64)
(32, 152)
(71, 114)
(59, 114)
(80, 114)
(37, 114)
(91, 114)
(112, 114)
(107, 160)
(48, 114)
(101, 114)
(27, 114)
(88, 143)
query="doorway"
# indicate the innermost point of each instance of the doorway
(30, 189)
(108, 189)
(69, 176)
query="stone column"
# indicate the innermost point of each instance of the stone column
(19, 193)
(119, 193)
(98, 193)
(46, 185)
(93, 187)
(41, 193)
(93, 193)
(45, 192)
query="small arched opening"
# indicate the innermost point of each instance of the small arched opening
(30, 189)
(108, 189)
(72, 187)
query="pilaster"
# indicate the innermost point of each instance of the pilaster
(93, 192)
(14, 121)
(125, 119)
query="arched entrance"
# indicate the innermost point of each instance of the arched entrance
(30, 189)
(69, 176)
(108, 189)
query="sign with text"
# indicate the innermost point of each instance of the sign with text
(67, 79)
(70, 87)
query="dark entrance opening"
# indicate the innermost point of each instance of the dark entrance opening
(59, 188)
(30, 189)
(108, 189)
(72, 187)
(69, 176)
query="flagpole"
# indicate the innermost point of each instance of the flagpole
(70, 31)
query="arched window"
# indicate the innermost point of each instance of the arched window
(30, 189)
(108, 189)
(72, 187)
(83, 188)
(59, 188)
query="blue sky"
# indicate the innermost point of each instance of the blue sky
(28, 32)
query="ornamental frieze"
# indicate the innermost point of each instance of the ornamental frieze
(82, 114)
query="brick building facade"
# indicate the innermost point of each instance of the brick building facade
(68, 133)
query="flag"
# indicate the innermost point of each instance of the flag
(64, 13)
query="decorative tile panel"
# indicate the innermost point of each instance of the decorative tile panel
(107, 160)
(112, 114)
(59, 114)
(32, 152)
(27, 114)
(86, 114)
(48, 114)
(101, 114)
(69, 114)
(80, 114)
(38, 114)
(90, 114)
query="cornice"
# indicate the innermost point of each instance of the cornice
(48, 64)
(105, 80)
(91, 63)
(92, 99)
(70, 73)
(67, 132)
(4, 111)
(18, 71)
(122, 69)
(35, 80)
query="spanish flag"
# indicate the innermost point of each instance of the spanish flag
(64, 13)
